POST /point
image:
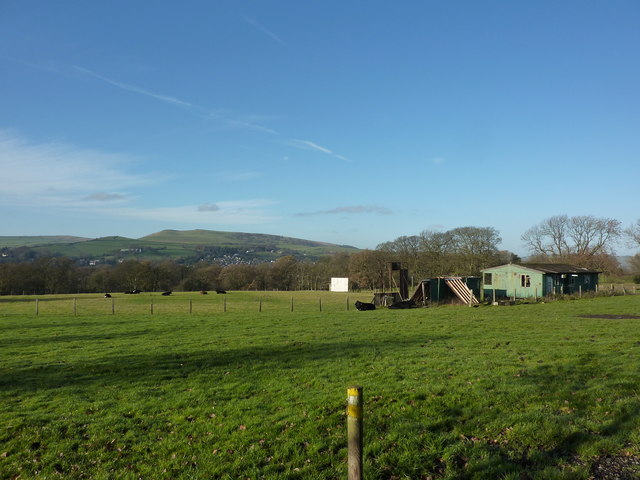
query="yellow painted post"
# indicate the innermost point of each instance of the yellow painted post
(355, 435)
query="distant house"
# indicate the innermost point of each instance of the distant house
(533, 280)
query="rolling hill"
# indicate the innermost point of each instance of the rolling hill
(184, 246)
(37, 240)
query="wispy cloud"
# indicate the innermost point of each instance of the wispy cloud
(132, 88)
(350, 210)
(228, 119)
(60, 177)
(208, 207)
(262, 29)
(250, 126)
(104, 197)
(51, 174)
(240, 212)
(309, 145)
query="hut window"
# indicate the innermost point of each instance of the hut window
(488, 278)
(525, 281)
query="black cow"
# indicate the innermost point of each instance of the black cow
(364, 306)
(107, 295)
(219, 290)
(204, 292)
(166, 294)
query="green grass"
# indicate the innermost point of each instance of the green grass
(31, 241)
(528, 391)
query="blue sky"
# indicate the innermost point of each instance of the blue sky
(346, 122)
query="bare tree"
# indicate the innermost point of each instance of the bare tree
(634, 263)
(593, 236)
(580, 236)
(549, 237)
(633, 234)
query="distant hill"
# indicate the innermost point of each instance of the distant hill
(32, 241)
(184, 246)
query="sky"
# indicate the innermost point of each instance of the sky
(345, 122)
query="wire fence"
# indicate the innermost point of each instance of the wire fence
(181, 303)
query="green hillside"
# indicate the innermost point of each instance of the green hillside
(31, 241)
(183, 246)
(239, 239)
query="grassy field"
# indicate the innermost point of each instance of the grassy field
(527, 391)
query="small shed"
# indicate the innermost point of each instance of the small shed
(533, 280)
(454, 290)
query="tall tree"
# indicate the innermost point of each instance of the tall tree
(633, 234)
(475, 248)
(369, 269)
(581, 236)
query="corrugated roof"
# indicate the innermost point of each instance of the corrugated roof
(558, 268)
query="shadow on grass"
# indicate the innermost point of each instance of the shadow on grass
(559, 382)
(153, 367)
(53, 339)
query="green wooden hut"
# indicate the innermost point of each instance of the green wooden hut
(533, 280)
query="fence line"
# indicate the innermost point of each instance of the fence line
(154, 305)
(241, 303)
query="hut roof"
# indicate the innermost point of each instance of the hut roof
(556, 268)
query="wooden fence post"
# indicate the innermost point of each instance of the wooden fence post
(292, 303)
(347, 303)
(355, 405)
(113, 306)
(224, 305)
(75, 309)
(37, 312)
(190, 306)
(260, 305)
(151, 307)
(320, 303)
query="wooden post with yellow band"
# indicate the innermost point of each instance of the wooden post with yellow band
(354, 432)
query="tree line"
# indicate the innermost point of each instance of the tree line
(582, 240)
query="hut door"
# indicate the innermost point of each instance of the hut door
(548, 285)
